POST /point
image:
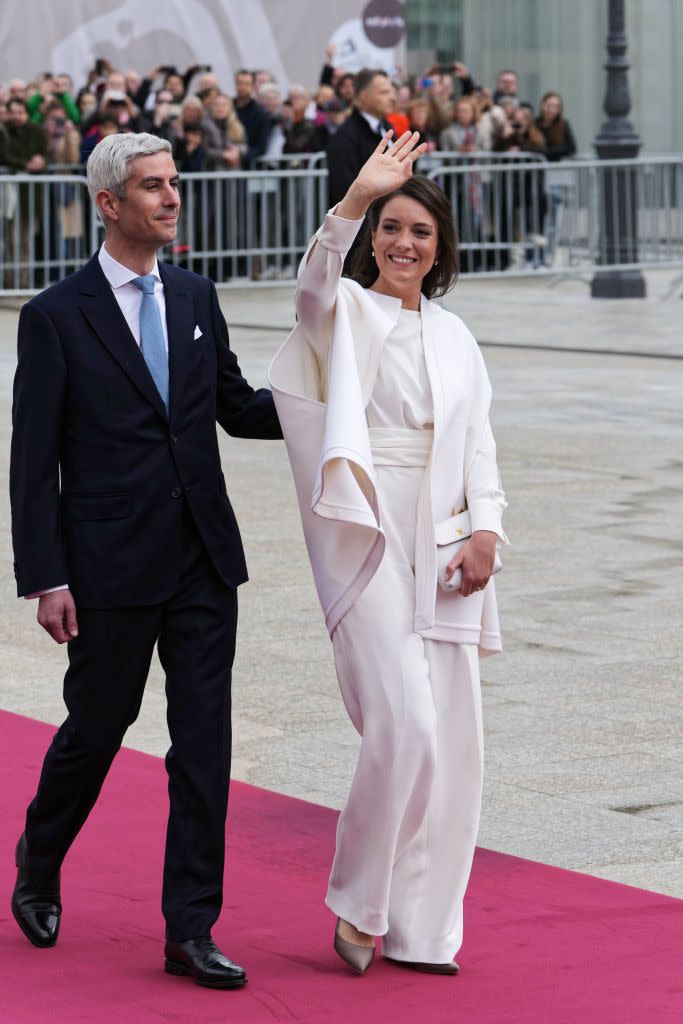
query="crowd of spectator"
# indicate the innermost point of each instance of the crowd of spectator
(52, 123)
(49, 121)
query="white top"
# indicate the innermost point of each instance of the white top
(373, 121)
(129, 297)
(402, 396)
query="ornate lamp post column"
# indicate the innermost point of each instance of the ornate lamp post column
(618, 187)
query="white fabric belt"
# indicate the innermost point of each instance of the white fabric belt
(399, 446)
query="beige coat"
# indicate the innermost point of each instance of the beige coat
(322, 379)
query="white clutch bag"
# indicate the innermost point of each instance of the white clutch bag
(451, 535)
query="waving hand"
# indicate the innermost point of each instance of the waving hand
(385, 170)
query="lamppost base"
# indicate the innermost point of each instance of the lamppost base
(618, 284)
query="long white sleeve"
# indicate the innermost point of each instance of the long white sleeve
(485, 496)
(316, 293)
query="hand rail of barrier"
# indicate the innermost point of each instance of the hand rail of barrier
(284, 160)
(488, 156)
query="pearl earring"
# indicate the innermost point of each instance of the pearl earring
(373, 254)
(436, 263)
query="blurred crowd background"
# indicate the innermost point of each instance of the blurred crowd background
(51, 123)
(52, 120)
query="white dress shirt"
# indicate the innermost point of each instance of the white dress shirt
(373, 121)
(376, 125)
(129, 298)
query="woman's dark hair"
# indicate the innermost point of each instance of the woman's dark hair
(555, 131)
(440, 278)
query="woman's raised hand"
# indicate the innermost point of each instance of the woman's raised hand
(389, 167)
(385, 170)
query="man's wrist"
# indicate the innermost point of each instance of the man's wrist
(42, 593)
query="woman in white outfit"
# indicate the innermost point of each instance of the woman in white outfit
(384, 399)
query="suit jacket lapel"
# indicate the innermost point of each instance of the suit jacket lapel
(180, 322)
(103, 313)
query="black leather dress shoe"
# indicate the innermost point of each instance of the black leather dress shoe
(202, 959)
(411, 965)
(36, 903)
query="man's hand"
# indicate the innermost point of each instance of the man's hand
(476, 559)
(385, 170)
(57, 614)
(232, 156)
(36, 163)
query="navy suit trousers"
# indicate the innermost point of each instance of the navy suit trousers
(108, 666)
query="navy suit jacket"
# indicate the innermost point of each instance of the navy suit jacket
(100, 476)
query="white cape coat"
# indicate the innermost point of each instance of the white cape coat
(322, 379)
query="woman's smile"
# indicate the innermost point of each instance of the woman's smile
(402, 260)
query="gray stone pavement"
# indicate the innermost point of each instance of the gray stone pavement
(583, 712)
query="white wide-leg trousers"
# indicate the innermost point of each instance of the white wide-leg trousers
(406, 837)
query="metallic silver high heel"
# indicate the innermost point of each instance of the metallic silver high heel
(357, 957)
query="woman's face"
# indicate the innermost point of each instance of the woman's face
(403, 96)
(220, 107)
(418, 118)
(192, 112)
(552, 108)
(463, 114)
(87, 104)
(406, 244)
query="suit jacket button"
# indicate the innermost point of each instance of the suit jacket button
(176, 492)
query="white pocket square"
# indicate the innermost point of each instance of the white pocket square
(197, 333)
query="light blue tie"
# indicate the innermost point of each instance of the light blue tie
(152, 335)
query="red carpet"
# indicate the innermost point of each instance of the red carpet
(541, 945)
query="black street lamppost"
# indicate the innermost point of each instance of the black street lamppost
(618, 186)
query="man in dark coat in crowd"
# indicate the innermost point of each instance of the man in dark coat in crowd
(254, 117)
(356, 139)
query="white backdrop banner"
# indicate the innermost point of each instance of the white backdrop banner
(286, 37)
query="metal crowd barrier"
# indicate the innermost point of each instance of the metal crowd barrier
(254, 224)
(233, 225)
(514, 215)
(569, 217)
(287, 161)
(48, 229)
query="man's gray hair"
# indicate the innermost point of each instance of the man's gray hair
(269, 89)
(109, 164)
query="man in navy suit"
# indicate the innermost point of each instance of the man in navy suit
(123, 530)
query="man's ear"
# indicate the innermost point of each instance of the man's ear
(108, 204)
